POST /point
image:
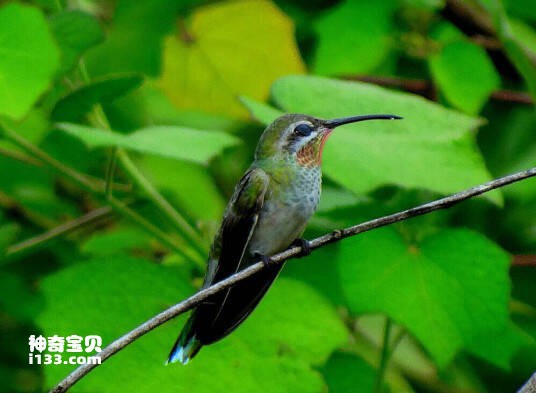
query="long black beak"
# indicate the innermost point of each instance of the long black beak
(353, 119)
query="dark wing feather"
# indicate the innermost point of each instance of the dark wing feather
(225, 310)
(238, 224)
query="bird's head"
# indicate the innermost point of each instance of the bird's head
(301, 138)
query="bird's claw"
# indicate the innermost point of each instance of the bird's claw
(266, 260)
(305, 246)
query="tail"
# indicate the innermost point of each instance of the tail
(186, 346)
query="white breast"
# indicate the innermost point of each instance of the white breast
(284, 219)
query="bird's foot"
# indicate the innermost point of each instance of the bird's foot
(266, 260)
(305, 246)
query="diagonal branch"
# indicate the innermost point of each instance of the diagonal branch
(530, 386)
(321, 241)
(60, 230)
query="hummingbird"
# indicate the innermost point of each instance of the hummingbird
(267, 213)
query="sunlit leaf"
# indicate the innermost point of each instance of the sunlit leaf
(432, 147)
(261, 111)
(28, 58)
(447, 290)
(276, 345)
(208, 63)
(162, 111)
(168, 141)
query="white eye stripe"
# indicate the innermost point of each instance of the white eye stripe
(294, 140)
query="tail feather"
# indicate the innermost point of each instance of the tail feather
(186, 346)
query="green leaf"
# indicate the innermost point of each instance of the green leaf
(322, 276)
(349, 43)
(28, 58)
(498, 346)
(447, 290)
(432, 147)
(167, 141)
(75, 32)
(81, 101)
(521, 8)
(519, 41)
(261, 111)
(134, 44)
(276, 344)
(19, 300)
(34, 190)
(463, 72)
(117, 241)
(431, 5)
(191, 188)
(209, 62)
(8, 233)
(160, 110)
(345, 372)
(520, 44)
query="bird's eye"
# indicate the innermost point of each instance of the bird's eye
(303, 129)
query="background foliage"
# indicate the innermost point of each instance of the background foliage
(175, 94)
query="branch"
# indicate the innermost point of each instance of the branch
(524, 260)
(530, 386)
(59, 230)
(321, 241)
(82, 180)
(423, 87)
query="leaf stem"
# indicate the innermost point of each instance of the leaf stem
(180, 223)
(27, 159)
(16, 155)
(35, 151)
(155, 231)
(385, 355)
(110, 170)
(11, 205)
(82, 181)
(57, 231)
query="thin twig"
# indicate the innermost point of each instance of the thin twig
(27, 159)
(422, 87)
(110, 170)
(180, 223)
(117, 204)
(385, 354)
(78, 177)
(524, 260)
(321, 241)
(14, 207)
(19, 156)
(61, 229)
(152, 229)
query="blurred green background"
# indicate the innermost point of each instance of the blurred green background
(175, 94)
